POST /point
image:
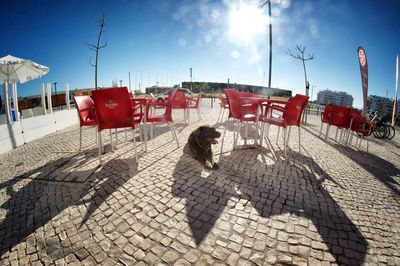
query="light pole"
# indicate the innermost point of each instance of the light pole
(120, 82)
(270, 40)
(191, 80)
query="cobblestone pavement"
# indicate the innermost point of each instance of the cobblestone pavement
(328, 204)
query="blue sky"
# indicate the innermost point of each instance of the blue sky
(158, 41)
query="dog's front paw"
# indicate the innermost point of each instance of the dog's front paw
(208, 165)
(215, 166)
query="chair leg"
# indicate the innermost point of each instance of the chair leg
(320, 130)
(284, 141)
(112, 145)
(299, 140)
(151, 130)
(100, 145)
(199, 113)
(134, 144)
(261, 133)
(246, 132)
(171, 124)
(277, 136)
(80, 139)
(327, 132)
(222, 140)
(219, 114)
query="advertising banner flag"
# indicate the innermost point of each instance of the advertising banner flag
(394, 115)
(362, 58)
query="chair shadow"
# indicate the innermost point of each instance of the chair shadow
(33, 201)
(377, 166)
(256, 176)
(381, 169)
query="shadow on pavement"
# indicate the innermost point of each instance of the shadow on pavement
(381, 169)
(34, 198)
(273, 186)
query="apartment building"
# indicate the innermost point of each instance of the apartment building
(326, 97)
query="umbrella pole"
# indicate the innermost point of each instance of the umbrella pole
(7, 102)
(15, 100)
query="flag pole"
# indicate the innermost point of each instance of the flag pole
(394, 115)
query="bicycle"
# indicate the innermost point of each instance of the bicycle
(382, 129)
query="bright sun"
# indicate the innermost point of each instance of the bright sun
(245, 22)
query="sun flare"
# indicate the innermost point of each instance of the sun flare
(246, 21)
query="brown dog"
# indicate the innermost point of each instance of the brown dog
(200, 141)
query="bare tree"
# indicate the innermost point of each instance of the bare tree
(300, 56)
(96, 47)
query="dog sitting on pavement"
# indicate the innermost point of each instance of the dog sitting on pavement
(200, 141)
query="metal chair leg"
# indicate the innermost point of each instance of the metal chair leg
(134, 144)
(80, 139)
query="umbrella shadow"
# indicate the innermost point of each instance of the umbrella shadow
(33, 201)
(256, 176)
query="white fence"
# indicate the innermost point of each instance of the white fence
(28, 129)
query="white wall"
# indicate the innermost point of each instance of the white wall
(25, 130)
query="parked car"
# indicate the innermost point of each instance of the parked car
(162, 96)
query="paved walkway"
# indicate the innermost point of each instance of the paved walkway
(328, 204)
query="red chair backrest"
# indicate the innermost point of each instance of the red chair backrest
(85, 107)
(341, 116)
(179, 101)
(326, 114)
(235, 104)
(294, 109)
(113, 108)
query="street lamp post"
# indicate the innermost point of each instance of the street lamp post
(270, 40)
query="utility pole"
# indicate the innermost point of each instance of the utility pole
(191, 80)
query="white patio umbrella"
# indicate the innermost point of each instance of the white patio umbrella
(13, 70)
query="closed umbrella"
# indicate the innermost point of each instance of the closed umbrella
(13, 70)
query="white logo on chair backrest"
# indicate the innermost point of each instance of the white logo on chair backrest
(111, 105)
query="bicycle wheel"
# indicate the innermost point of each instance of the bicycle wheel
(379, 131)
(392, 131)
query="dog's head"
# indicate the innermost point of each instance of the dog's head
(207, 135)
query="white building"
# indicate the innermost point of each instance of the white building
(326, 97)
(382, 105)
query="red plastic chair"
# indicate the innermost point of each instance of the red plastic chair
(223, 103)
(241, 112)
(194, 103)
(114, 110)
(181, 102)
(326, 119)
(361, 126)
(340, 118)
(165, 117)
(85, 107)
(291, 115)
